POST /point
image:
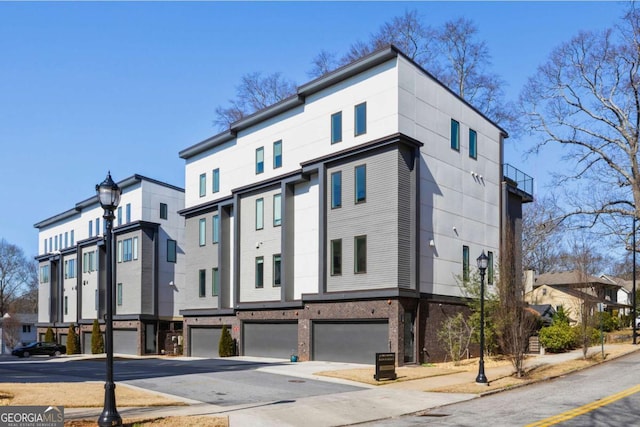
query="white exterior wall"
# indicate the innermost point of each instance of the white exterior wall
(306, 220)
(450, 196)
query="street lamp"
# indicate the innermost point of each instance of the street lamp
(483, 262)
(109, 197)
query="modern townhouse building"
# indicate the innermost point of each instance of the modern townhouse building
(148, 263)
(339, 222)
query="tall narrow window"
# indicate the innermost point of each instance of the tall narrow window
(277, 210)
(259, 272)
(360, 254)
(119, 215)
(66, 239)
(259, 214)
(336, 190)
(202, 232)
(215, 178)
(51, 243)
(128, 208)
(72, 268)
(203, 185)
(259, 160)
(215, 226)
(164, 211)
(215, 282)
(336, 257)
(455, 135)
(361, 183)
(127, 250)
(45, 246)
(73, 241)
(202, 281)
(66, 269)
(119, 294)
(277, 154)
(336, 127)
(490, 268)
(172, 250)
(97, 228)
(90, 233)
(361, 119)
(66, 304)
(135, 248)
(465, 263)
(473, 144)
(277, 263)
(96, 298)
(119, 256)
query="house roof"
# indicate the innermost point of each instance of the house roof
(576, 293)
(574, 279)
(626, 284)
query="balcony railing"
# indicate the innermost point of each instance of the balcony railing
(524, 182)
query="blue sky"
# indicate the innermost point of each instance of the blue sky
(87, 87)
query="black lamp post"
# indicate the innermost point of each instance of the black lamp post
(483, 262)
(109, 197)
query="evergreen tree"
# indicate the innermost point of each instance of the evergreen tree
(72, 341)
(48, 336)
(226, 346)
(97, 340)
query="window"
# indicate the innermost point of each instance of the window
(66, 239)
(73, 242)
(490, 268)
(127, 250)
(202, 281)
(119, 256)
(171, 250)
(90, 233)
(336, 127)
(119, 294)
(473, 144)
(66, 304)
(215, 179)
(97, 229)
(455, 135)
(90, 258)
(259, 160)
(44, 274)
(276, 270)
(215, 226)
(361, 183)
(203, 184)
(215, 282)
(26, 329)
(259, 214)
(96, 299)
(361, 119)
(259, 272)
(360, 254)
(277, 210)
(119, 215)
(45, 246)
(135, 248)
(71, 272)
(202, 231)
(336, 257)
(336, 190)
(164, 211)
(128, 207)
(465, 263)
(277, 154)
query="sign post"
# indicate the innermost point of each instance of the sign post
(385, 366)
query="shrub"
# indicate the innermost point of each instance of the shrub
(48, 336)
(72, 341)
(226, 345)
(455, 335)
(97, 340)
(609, 323)
(557, 338)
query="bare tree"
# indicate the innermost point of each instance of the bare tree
(27, 302)
(254, 93)
(11, 330)
(455, 335)
(586, 98)
(542, 232)
(14, 274)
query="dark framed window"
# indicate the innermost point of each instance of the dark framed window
(128, 213)
(360, 254)
(490, 269)
(119, 215)
(277, 262)
(164, 211)
(215, 282)
(277, 210)
(203, 185)
(455, 135)
(202, 231)
(336, 190)
(259, 160)
(336, 127)
(361, 183)
(259, 272)
(202, 281)
(277, 154)
(336, 257)
(473, 144)
(259, 214)
(215, 226)
(360, 117)
(465, 263)
(66, 304)
(119, 294)
(215, 179)
(172, 248)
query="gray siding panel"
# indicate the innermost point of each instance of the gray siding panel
(204, 341)
(406, 218)
(270, 339)
(354, 342)
(200, 258)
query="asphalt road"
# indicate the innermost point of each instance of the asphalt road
(217, 381)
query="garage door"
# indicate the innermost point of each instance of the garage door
(270, 339)
(355, 342)
(204, 342)
(125, 341)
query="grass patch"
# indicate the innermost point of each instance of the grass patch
(161, 422)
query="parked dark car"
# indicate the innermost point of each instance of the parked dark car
(40, 348)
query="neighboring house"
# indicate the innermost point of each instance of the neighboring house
(338, 222)
(17, 329)
(148, 260)
(571, 290)
(545, 312)
(625, 293)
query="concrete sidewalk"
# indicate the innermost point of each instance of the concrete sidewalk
(371, 404)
